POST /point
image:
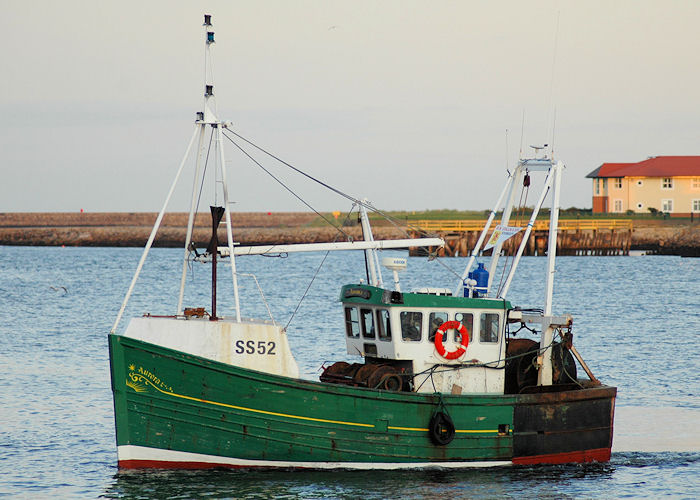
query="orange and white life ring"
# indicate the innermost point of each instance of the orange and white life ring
(440, 348)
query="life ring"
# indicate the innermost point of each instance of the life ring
(440, 348)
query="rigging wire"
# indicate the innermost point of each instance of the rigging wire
(199, 198)
(314, 276)
(327, 186)
(204, 172)
(355, 201)
(551, 82)
(286, 187)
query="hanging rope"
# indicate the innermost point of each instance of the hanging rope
(286, 187)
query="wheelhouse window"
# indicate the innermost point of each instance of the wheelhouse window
(352, 322)
(667, 183)
(488, 328)
(467, 319)
(367, 316)
(384, 323)
(411, 325)
(435, 320)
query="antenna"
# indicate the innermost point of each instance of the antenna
(554, 122)
(522, 132)
(209, 99)
(551, 80)
(506, 150)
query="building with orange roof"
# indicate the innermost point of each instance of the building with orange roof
(669, 184)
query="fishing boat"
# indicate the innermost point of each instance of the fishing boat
(444, 377)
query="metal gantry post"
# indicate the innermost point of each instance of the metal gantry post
(482, 236)
(528, 230)
(545, 374)
(505, 220)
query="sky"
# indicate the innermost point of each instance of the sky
(411, 104)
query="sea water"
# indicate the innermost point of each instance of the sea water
(636, 323)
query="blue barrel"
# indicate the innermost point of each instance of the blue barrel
(481, 275)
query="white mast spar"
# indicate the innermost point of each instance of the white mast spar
(375, 270)
(209, 117)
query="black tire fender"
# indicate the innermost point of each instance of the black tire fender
(441, 428)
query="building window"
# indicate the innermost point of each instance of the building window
(667, 206)
(618, 206)
(639, 206)
(618, 182)
(695, 183)
(597, 186)
(696, 206)
(640, 183)
(667, 183)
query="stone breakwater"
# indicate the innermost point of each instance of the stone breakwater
(677, 240)
(254, 228)
(133, 229)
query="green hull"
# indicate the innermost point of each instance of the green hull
(177, 410)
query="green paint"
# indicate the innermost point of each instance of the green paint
(351, 294)
(187, 403)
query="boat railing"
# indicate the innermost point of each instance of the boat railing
(262, 295)
(540, 225)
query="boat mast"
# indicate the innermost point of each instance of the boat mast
(204, 118)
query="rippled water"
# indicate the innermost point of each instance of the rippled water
(636, 324)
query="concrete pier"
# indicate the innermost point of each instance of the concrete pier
(260, 228)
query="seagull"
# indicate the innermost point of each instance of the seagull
(57, 288)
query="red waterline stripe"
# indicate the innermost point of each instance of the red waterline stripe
(167, 464)
(596, 455)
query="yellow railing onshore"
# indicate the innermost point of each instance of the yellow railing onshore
(540, 225)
